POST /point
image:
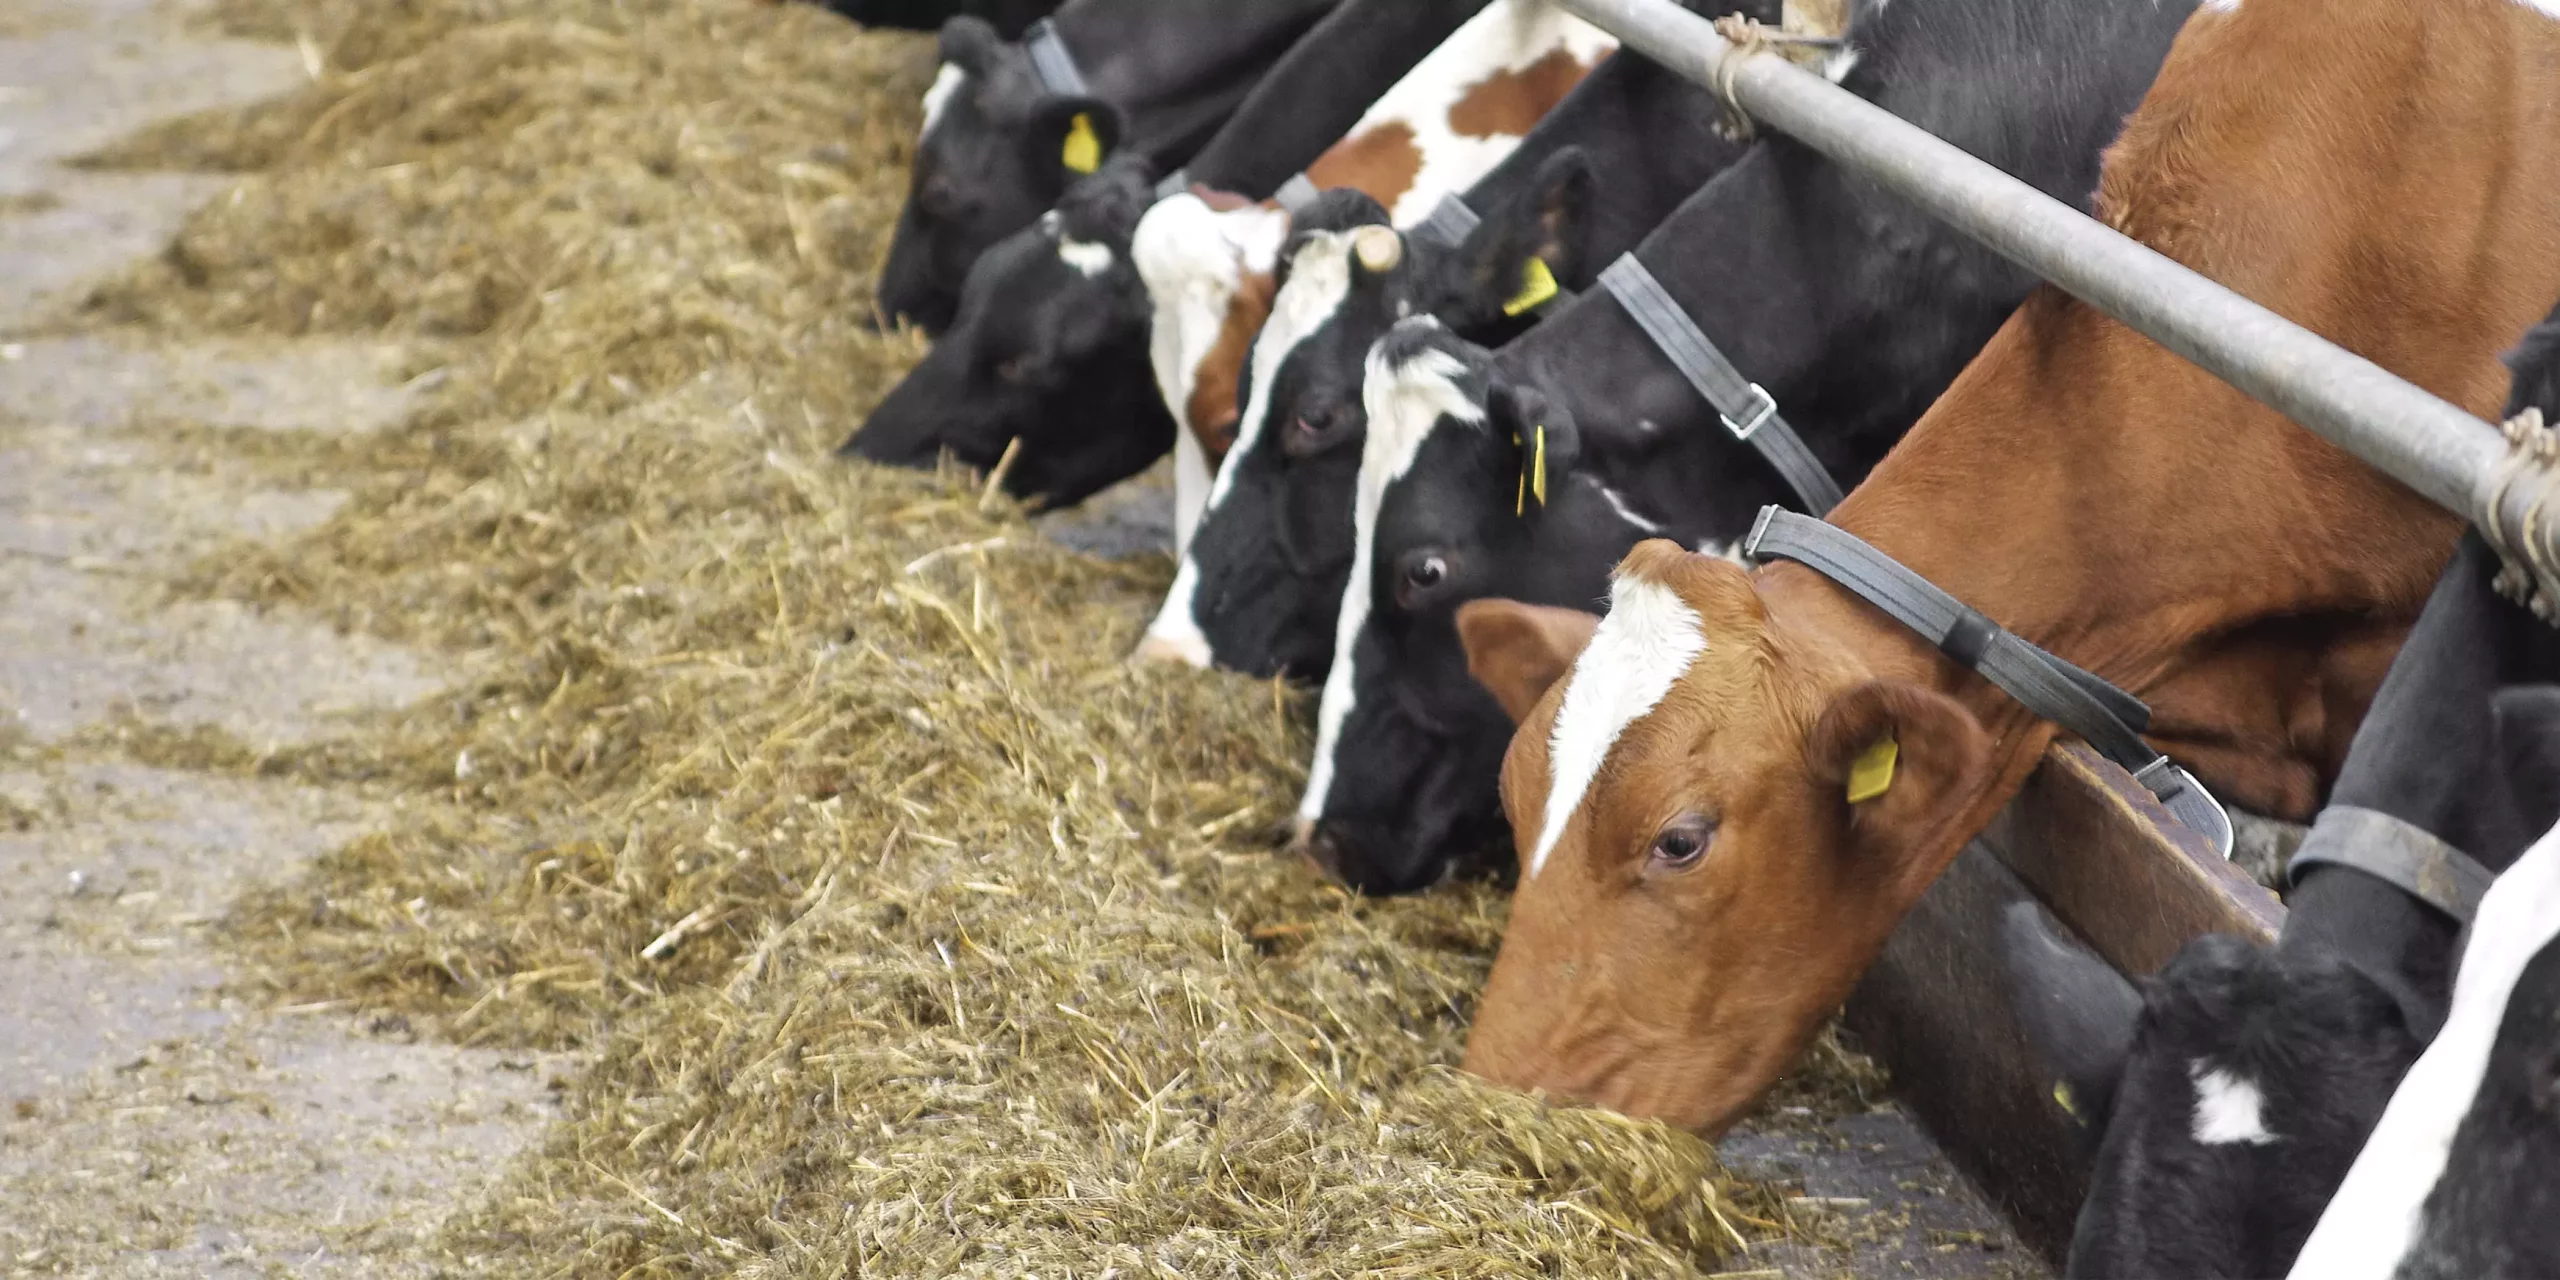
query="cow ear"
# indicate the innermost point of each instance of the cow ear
(1071, 137)
(1901, 761)
(1515, 261)
(1519, 651)
(2078, 1011)
(970, 44)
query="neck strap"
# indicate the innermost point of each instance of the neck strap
(2111, 719)
(1748, 411)
(1051, 61)
(2409, 859)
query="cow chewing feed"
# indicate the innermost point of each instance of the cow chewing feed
(2320, 1028)
(966, 402)
(1714, 892)
(998, 148)
(1796, 269)
(1049, 349)
(1208, 258)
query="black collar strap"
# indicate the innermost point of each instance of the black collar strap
(2111, 719)
(1295, 194)
(1749, 412)
(1052, 63)
(2388, 849)
(1173, 184)
(1450, 223)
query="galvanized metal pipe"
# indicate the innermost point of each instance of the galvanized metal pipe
(2427, 443)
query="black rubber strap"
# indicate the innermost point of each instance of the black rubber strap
(1173, 184)
(1450, 223)
(1051, 61)
(2111, 719)
(2382, 846)
(1295, 194)
(1748, 411)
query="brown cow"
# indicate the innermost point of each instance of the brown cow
(1209, 260)
(1697, 889)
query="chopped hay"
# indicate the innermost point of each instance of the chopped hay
(913, 931)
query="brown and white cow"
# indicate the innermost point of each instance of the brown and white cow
(1210, 260)
(1697, 890)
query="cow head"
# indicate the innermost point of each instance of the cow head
(2226, 1097)
(996, 151)
(1263, 575)
(1050, 348)
(1712, 843)
(1468, 489)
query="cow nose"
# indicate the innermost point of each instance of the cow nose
(1190, 651)
(1318, 847)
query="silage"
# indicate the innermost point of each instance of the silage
(913, 931)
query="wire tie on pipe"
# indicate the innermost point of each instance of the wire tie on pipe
(2526, 573)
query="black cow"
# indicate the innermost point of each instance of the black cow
(1008, 17)
(2228, 1095)
(1851, 307)
(998, 148)
(1050, 348)
(1261, 581)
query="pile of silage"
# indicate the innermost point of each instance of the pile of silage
(914, 933)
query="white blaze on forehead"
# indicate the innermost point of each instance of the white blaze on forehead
(1193, 260)
(1319, 279)
(946, 83)
(2374, 1218)
(1089, 259)
(1404, 402)
(1639, 652)
(2229, 1108)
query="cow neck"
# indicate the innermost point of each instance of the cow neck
(1178, 68)
(2133, 552)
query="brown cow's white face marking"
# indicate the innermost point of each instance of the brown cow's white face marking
(1640, 651)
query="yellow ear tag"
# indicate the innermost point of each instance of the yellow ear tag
(1872, 774)
(1084, 146)
(2062, 1095)
(1538, 484)
(1537, 286)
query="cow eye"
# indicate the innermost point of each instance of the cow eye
(1423, 573)
(1317, 430)
(1683, 844)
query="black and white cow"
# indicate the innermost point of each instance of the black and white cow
(2228, 1094)
(1261, 577)
(1088, 324)
(1050, 348)
(1008, 17)
(998, 148)
(1852, 308)
(2461, 1178)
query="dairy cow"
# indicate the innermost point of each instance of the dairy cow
(2461, 1179)
(1004, 135)
(1699, 889)
(961, 397)
(1260, 578)
(1853, 309)
(1212, 262)
(2228, 1094)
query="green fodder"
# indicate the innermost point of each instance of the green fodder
(913, 932)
